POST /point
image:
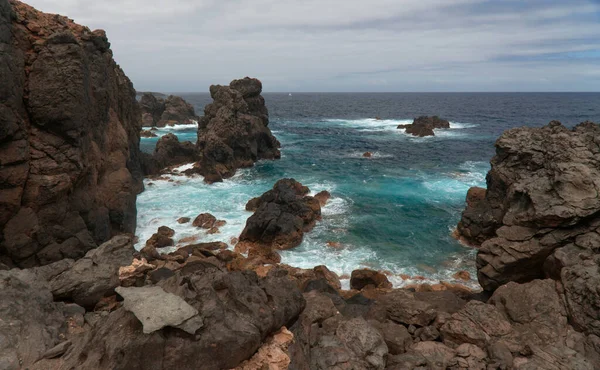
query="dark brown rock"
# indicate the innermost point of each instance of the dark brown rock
(205, 221)
(236, 312)
(234, 133)
(283, 214)
(360, 279)
(424, 126)
(166, 112)
(69, 139)
(541, 196)
(323, 197)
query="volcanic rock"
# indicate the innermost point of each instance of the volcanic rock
(541, 195)
(238, 312)
(282, 216)
(234, 133)
(169, 151)
(152, 109)
(94, 276)
(323, 197)
(205, 221)
(172, 111)
(69, 139)
(365, 277)
(424, 126)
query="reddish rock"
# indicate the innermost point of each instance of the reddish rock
(365, 277)
(205, 221)
(183, 220)
(462, 275)
(323, 197)
(367, 154)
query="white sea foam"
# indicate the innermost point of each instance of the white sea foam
(370, 124)
(190, 126)
(374, 155)
(460, 125)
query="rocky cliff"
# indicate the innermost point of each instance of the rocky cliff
(541, 208)
(234, 133)
(69, 139)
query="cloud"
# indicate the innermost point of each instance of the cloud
(350, 45)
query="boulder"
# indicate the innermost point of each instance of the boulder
(69, 143)
(94, 276)
(234, 132)
(204, 221)
(360, 279)
(283, 215)
(424, 126)
(170, 151)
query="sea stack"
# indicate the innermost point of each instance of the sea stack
(234, 132)
(158, 112)
(424, 126)
(541, 209)
(69, 139)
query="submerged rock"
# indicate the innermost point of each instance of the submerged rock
(424, 126)
(234, 132)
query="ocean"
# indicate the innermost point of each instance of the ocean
(394, 211)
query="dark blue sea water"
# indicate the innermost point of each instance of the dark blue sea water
(394, 211)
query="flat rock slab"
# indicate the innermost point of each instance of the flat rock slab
(156, 309)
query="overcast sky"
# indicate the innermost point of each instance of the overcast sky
(350, 45)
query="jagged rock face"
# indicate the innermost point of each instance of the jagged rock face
(69, 138)
(166, 112)
(234, 132)
(169, 151)
(424, 126)
(282, 216)
(542, 194)
(152, 109)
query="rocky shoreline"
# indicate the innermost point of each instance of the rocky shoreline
(75, 294)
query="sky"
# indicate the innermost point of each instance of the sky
(350, 45)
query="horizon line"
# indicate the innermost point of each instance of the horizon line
(386, 92)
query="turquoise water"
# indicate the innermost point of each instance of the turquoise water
(394, 211)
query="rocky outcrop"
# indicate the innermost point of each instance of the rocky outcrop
(94, 276)
(424, 126)
(158, 112)
(234, 132)
(152, 109)
(169, 151)
(541, 206)
(200, 314)
(69, 139)
(282, 216)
